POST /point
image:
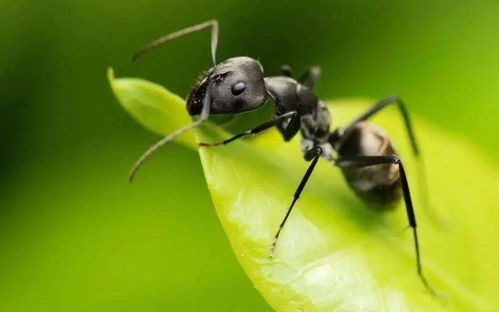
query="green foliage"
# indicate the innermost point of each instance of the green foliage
(335, 253)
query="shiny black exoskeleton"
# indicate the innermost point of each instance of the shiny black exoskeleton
(363, 151)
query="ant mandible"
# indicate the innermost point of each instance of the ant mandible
(364, 152)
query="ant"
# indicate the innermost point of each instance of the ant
(364, 152)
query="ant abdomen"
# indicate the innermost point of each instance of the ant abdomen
(379, 184)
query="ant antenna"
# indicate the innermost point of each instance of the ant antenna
(204, 116)
(156, 43)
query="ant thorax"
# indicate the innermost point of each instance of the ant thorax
(315, 130)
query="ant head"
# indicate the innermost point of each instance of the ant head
(236, 85)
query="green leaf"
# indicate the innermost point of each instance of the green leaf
(152, 106)
(335, 253)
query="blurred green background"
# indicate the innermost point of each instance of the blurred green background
(74, 236)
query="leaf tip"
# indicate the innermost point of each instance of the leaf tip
(110, 74)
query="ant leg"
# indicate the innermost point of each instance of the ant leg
(156, 43)
(286, 71)
(314, 155)
(205, 112)
(289, 128)
(258, 129)
(393, 99)
(309, 77)
(422, 180)
(364, 161)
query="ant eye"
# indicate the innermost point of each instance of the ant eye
(238, 88)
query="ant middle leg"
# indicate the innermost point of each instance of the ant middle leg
(365, 161)
(310, 76)
(314, 154)
(286, 71)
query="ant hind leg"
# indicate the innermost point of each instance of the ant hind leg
(364, 161)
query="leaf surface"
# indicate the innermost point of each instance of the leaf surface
(336, 253)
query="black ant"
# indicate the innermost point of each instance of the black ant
(364, 152)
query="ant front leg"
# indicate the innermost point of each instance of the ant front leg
(258, 129)
(365, 161)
